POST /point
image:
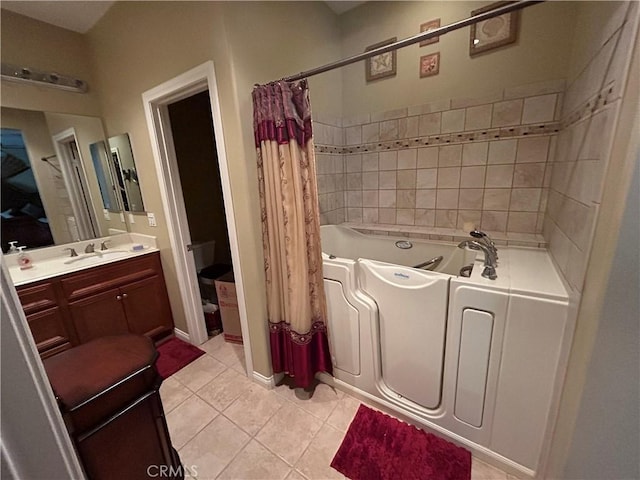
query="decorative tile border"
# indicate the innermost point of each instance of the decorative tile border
(590, 106)
(446, 139)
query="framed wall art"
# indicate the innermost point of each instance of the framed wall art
(428, 26)
(430, 65)
(494, 32)
(383, 65)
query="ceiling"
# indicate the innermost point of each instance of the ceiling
(72, 15)
(80, 16)
(340, 7)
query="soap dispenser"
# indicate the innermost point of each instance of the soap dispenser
(12, 247)
(24, 260)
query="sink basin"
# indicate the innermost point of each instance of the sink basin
(96, 257)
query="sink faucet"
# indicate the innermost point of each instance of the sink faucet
(89, 248)
(486, 239)
(489, 257)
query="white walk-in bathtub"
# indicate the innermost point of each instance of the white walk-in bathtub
(343, 242)
(477, 360)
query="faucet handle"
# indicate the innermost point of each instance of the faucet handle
(73, 252)
(103, 244)
(489, 272)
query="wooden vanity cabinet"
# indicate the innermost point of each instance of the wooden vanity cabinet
(98, 315)
(146, 302)
(128, 296)
(49, 325)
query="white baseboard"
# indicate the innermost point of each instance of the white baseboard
(181, 335)
(267, 382)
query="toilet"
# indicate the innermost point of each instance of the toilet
(203, 253)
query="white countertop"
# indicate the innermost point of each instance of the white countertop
(54, 261)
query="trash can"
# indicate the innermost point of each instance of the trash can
(107, 390)
(212, 318)
(206, 278)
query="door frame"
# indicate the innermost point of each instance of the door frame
(156, 101)
(86, 220)
(29, 404)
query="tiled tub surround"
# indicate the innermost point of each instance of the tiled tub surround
(330, 169)
(584, 145)
(447, 164)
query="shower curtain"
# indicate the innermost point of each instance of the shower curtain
(296, 304)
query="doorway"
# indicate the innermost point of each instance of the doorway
(156, 102)
(83, 224)
(197, 160)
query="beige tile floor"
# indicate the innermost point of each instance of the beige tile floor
(228, 427)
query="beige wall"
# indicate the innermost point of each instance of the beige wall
(42, 46)
(545, 28)
(149, 43)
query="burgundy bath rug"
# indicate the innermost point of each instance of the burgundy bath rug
(175, 354)
(379, 447)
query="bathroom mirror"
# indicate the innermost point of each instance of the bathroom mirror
(126, 175)
(111, 200)
(51, 182)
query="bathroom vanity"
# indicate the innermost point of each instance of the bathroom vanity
(71, 301)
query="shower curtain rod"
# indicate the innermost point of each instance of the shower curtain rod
(511, 7)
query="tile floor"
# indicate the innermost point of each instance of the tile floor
(228, 427)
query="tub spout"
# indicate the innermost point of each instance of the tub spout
(486, 239)
(430, 264)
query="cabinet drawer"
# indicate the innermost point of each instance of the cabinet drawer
(37, 297)
(49, 331)
(99, 279)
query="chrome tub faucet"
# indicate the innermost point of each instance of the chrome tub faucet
(489, 257)
(486, 239)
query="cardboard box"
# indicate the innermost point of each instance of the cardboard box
(228, 303)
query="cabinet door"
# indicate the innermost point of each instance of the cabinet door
(98, 315)
(147, 307)
(49, 331)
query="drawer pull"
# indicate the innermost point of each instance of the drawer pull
(124, 295)
(119, 297)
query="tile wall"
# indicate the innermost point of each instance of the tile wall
(447, 164)
(584, 144)
(328, 136)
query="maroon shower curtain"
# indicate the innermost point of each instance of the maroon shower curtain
(296, 303)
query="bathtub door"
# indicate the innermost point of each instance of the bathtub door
(412, 306)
